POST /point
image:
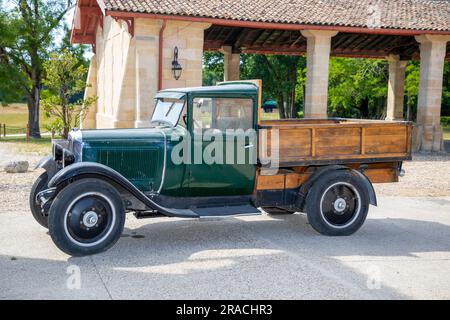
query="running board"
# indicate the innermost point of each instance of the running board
(239, 210)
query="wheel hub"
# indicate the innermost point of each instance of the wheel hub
(90, 219)
(339, 205)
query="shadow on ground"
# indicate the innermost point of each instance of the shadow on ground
(261, 257)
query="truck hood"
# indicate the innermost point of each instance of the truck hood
(138, 154)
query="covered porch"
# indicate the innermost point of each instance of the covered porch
(397, 47)
(134, 47)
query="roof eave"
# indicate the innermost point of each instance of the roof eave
(275, 25)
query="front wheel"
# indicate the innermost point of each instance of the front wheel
(86, 217)
(337, 203)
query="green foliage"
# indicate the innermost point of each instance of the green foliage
(212, 68)
(357, 88)
(77, 50)
(282, 78)
(65, 76)
(27, 32)
(445, 121)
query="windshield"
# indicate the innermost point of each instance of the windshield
(167, 111)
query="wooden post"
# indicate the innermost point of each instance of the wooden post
(28, 133)
(53, 134)
(4, 129)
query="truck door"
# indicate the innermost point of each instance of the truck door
(232, 121)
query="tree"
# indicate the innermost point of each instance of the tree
(78, 50)
(65, 77)
(357, 88)
(26, 38)
(281, 76)
(212, 68)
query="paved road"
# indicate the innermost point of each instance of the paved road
(403, 251)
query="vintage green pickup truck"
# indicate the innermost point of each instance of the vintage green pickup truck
(207, 153)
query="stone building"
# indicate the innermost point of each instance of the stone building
(134, 42)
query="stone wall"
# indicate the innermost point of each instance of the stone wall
(127, 68)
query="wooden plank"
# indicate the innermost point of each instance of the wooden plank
(385, 144)
(337, 150)
(386, 131)
(383, 175)
(270, 182)
(363, 140)
(326, 141)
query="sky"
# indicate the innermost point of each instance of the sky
(10, 4)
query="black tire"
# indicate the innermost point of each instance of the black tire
(86, 217)
(337, 203)
(277, 210)
(39, 185)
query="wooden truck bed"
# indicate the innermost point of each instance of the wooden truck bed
(304, 142)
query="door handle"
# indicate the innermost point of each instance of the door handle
(248, 146)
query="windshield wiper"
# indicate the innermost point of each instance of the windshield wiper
(170, 109)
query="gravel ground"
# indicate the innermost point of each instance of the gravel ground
(425, 176)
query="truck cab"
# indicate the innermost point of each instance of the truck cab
(206, 152)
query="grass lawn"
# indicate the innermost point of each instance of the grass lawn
(275, 115)
(41, 146)
(15, 116)
(446, 133)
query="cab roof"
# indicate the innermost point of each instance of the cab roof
(225, 88)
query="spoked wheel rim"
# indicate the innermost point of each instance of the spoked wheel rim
(340, 204)
(89, 219)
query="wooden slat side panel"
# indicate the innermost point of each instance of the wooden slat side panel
(281, 181)
(292, 144)
(382, 175)
(389, 139)
(338, 141)
(294, 180)
(333, 142)
(270, 182)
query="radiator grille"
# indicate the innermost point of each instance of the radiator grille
(133, 163)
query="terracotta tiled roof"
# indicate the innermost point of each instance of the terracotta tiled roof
(392, 14)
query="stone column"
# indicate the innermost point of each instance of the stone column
(147, 49)
(88, 120)
(317, 62)
(231, 64)
(428, 132)
(396, 88)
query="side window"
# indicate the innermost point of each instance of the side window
(202, 114)
(222, 113)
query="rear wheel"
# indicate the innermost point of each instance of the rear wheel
(86, 217)
(39, 185)
(337, 203)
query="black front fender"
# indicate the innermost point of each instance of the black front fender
(49, 165)
(82, 170)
